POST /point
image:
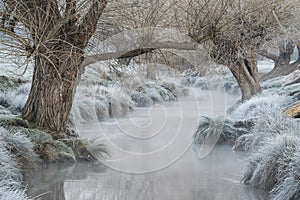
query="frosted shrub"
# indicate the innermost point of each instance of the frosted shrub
(8, 169)
(177, 90)
(268, 166)
(101, 110)
(119, 102)
(266, 127)
(89, 109)
(141, 100)
(261, 105)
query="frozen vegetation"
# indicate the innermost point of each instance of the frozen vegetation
(257, 126)
(228, 130)
(112, 93)
(219, 78)
(13, 148)
(261, 127)
(101, 95)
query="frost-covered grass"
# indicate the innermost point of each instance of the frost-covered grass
(273, 164)
(150, 93)
(261, 105)
(212, 82)
(10, 174)
(99, 103)
(225, 130)
(248, 124)
(265, 128)
(9, 193)
(289, 187)
(268, 167)
(273, 144)
(22, 147)
(15, 100)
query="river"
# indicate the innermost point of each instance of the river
(152, 157)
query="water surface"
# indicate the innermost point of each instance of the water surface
(152, 157)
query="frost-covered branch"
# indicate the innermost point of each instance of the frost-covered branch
(136, 52)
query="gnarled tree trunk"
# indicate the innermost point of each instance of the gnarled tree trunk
(53, 87)
(242, 62)
(246, 73)
(58, 38)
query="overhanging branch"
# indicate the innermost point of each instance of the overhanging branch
(136, 52)
(268, 55)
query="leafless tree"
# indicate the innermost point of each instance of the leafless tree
(55, 34)
(234, 30)
(282, 46)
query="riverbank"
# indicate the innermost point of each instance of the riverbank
(260, 126)
(267, 127)
(25, 147)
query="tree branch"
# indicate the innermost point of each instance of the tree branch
(268, 55)
(136, 52)
(70, 13)
(89, 23)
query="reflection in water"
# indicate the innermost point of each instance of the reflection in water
(48, 183)
(214, 178)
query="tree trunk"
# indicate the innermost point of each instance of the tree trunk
(53, 87)
(59, 39)
(246, 74)
(282, 65)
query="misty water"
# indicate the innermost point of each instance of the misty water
(152, 157)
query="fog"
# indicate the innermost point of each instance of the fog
(152, 157)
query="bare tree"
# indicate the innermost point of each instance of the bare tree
(284, 42)
(233, 31)
(55, 34)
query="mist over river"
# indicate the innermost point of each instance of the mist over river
(152, 157)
